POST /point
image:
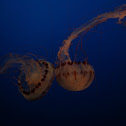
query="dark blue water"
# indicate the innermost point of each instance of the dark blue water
(39, 27)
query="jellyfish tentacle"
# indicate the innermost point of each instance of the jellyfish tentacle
(119, 13)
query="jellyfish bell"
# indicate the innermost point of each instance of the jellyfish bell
(76, 76)
(35, 76)
(36, 83)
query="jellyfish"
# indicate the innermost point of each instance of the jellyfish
(34, 76)
(77, 76)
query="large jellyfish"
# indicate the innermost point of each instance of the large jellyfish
(35, 76)
(76, 76)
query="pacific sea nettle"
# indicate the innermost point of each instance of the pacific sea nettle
(34, 77)
(76, 76)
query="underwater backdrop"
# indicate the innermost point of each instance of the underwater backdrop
(39, 27)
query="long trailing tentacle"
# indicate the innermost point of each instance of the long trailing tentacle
(120, 13)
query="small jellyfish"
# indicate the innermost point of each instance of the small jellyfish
(77, 76)
(35, 76)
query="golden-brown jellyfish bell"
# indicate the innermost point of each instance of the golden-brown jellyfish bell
(76, 76)
(35, 76)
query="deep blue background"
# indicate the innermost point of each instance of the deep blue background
(39, 27)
